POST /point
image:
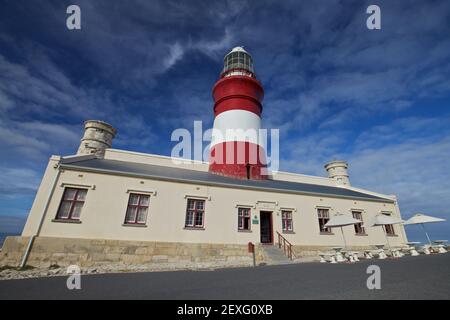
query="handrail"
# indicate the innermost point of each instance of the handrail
(287, 246)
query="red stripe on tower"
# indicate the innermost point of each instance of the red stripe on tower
(236, 150)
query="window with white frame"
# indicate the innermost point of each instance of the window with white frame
(286, 220)
(359, 229)
(244, 219)
(323, 216)
(390, 231)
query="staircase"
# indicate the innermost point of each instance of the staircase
(275, 255)
(281, 252)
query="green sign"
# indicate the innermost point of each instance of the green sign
(255, 221)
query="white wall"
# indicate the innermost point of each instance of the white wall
(106, 202)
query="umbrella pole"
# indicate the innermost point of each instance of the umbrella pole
(387, 239)
(426, 233)
(343, 237)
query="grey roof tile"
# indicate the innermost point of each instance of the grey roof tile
(200, 177)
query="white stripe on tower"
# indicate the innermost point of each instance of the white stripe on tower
(236, 125)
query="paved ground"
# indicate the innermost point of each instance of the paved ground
(424, 277)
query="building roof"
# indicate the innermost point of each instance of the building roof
(151, 171)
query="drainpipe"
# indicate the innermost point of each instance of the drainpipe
(41, 221)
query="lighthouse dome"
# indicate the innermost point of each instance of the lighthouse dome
(238, 59)
(239, 49)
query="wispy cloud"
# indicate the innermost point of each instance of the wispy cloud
(11, 224)
(17, 181)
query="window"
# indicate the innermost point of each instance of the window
(324, 216)
(137, 209)
(359, 229)
(244, 219)
(286, 220)
(238, 60)
(390, 231)
(195, 213)
(71, 204)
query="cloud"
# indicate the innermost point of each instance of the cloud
(407, 157)
(36, 140)
(11, 224)
(18, 181)
(212, 48)
(216, 48)
(39, 88)
(175, 53)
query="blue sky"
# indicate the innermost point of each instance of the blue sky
(378, 99)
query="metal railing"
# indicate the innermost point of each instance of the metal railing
(286, 246)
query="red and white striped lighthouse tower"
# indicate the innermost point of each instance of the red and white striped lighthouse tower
(236, 149)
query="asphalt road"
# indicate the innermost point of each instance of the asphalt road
(423, 277)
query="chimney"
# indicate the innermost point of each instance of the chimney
(337, 170)
(98, 136)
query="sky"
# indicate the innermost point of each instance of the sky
(378, 99)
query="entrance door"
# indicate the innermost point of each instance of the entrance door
(266, 227)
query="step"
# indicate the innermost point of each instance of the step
(276, 255)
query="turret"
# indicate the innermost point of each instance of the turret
(98, 136)
(338, 170)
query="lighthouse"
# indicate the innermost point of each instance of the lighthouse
(237, 149)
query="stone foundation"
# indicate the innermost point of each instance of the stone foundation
(313, 251)
(47, 251)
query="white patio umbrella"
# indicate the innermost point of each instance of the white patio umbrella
(381, 220)
(422, 219)
(342, 220)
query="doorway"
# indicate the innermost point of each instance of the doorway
(266, 227)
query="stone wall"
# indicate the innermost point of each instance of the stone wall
(313, 251)
(48, 251)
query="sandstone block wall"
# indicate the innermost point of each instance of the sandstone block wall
(48, 251)
(313, 251)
